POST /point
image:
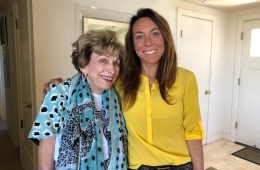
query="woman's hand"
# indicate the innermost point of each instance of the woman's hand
(46, 87)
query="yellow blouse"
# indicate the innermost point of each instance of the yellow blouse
(157, 131)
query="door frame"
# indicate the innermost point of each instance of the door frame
(2, 87)
(32, 162)
(237, 67)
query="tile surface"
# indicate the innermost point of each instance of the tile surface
(218, 155)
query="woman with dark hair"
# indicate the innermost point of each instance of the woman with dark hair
(160, 100)
(80, 123)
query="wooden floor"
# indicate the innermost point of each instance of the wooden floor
(9, 155)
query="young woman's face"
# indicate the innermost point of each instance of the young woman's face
(148, 41)
(102, 72)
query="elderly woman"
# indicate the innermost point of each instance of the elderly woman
(80, 123)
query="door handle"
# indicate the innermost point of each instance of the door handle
(207, 92)
(28, 105)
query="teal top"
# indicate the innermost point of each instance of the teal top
(68, 109)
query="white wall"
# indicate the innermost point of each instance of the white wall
(54, 32)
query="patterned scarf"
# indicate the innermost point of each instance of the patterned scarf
(69, 111)
(81, 141)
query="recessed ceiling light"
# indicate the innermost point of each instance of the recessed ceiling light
(202, 1)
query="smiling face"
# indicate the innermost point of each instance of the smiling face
(102, 71)
(148, 41)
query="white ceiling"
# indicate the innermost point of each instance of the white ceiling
(226, 5)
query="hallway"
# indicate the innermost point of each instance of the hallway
(9, 156)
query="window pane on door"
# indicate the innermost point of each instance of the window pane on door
(255, 43)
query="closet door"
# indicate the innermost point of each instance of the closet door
(194, 46)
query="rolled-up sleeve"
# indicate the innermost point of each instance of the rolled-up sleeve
(191, 115)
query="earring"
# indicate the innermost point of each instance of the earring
(85, 75)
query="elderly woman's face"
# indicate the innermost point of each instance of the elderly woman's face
(102, 72)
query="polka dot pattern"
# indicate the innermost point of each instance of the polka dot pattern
(68, 109)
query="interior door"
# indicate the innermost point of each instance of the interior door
(24, 81)
(248, 129)
(194, 53)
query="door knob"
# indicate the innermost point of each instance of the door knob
(28, 105)
(207, 92)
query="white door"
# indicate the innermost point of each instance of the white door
(248, 128)
(24, 74)
(194, 53)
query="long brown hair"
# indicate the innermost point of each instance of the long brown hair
(166, 72)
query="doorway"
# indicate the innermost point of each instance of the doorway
(18, 84)
(11, 93)
(9, 128)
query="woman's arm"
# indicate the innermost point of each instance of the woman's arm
(196, 153)
(46, 154)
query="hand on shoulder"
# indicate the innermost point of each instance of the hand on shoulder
(46, 87)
